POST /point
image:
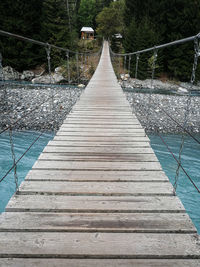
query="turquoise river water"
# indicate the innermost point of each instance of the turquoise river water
(185, 190)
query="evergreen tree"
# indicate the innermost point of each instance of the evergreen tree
(139, 37)
(87, 13)
(24, 18)
(110, 20)
(170, 20)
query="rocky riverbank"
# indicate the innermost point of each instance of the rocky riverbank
(44, 107)
(36, 107)
(175, 87)
(153, 116)
(167, 97)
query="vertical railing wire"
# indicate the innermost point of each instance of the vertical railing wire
(148, 121)
(13, 158)
(187, 110)
(77, 67)
(2, 78)
(129, 66)
(68, 67)
(52, 112)
(136, 66)
(119, 65)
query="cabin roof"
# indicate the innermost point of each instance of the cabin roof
(87, 29)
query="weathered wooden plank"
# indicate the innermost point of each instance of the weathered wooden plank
(99, 130)
(73, 165)
(99, 144)
(96, 222)
(103, 204)
(96, 188)
(100, 118)
(100, 134)
(98, 150)
(15, 262)
(112, 176)
(102, 138)
(100, 125)
(99, 245)
(100, 157)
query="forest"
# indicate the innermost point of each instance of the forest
(142, 24)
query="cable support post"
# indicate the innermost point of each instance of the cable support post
(68, 67)
(155, 55)
(48, 52)
(119, 66)
(2, 79)
(77, 67)
(129, 65)
(82, 68)
(13, 158)
(124, 64)
(136, 67)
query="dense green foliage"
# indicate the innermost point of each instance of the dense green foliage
(57, 22)
(24, 18)
(141, 23)
(154, 22)
(110, 19)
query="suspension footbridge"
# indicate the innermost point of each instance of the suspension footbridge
(97, 195)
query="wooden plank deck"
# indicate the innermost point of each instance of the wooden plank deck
(97, 195)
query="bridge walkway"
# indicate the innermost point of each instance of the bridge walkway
(97, 195)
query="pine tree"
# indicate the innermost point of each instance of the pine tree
(87, 13)
(15, 18)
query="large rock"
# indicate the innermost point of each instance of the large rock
(56, 78)
(27, 75)
(11, 74)
(42, 79)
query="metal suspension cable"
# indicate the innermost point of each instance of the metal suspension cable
(196, 56)
(16, 162)
(198, 190)
(181, 41)
(22, 38)
(14, 158)
(181, 126)
(177, 160)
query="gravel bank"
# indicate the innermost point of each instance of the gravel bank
(36, 107)
(173, 105)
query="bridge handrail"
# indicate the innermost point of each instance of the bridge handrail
(181, 41)
(26, 39)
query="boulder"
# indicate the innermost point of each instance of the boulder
(42, 79)
(11, 74)
(58, 70)
(182, 90)
(27, 75)
(57, 77)
(81, 86)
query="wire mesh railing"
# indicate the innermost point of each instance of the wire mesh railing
(41, 104)
(120, 65)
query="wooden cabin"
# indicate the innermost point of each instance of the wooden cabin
(87, 33)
